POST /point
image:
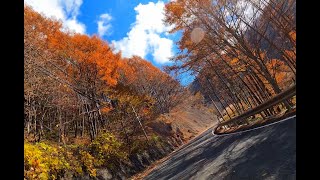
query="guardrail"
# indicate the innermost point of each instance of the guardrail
(290, 92)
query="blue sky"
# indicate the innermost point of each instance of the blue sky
(122, 12)
(134, 27)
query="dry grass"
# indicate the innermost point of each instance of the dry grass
(188, 120)
(81, 140)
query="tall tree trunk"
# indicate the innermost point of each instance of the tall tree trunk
(137, 117)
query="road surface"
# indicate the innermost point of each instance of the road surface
(265, 153)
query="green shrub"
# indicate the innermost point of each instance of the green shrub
(88, 162)
(106, 148)
(155, 138)
(49, 161)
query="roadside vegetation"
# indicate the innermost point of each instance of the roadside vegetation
(242, 53)
(86, 108)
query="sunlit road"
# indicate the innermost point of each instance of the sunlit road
(266, 153)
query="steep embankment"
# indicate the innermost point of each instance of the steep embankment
(185, 121)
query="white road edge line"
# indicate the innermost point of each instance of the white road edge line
(253, 128)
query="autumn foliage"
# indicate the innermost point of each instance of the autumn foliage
(248, 52)
(85, 106)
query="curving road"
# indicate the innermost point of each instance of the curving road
(266, 153)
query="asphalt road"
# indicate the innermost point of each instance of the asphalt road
(265, 153)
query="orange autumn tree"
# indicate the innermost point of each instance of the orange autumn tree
(69, 71)
(142, 93)
(92, 70)
(40, 89)
(146, 79)
(74, 79)
(235, 54)
(280, 71)
(79, 93)
(90, 53)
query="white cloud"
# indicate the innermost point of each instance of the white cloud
(104, 25)
(162, 48)
(144, 36)
(150, 17)
(134, 44)
(72, 6)
(64, 10)
(74, 25)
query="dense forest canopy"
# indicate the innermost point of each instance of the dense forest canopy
(77, 88)
(247, 53)
(78, 78)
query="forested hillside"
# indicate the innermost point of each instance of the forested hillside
(241, 52)
(91, 113)
(87, 107)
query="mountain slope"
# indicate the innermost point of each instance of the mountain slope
(185, 121)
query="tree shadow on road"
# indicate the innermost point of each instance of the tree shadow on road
(272, 158)
(260, 154)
